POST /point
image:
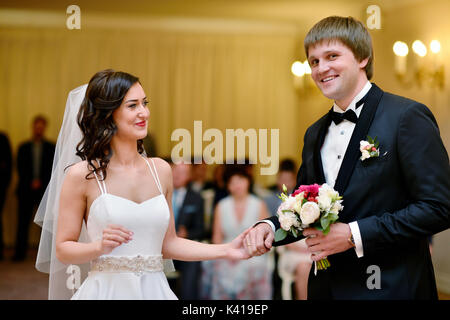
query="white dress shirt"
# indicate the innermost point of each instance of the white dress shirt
(333, 151)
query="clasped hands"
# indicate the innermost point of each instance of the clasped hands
(258, 240)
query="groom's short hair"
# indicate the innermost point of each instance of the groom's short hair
(347, 30)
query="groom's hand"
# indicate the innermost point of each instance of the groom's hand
(321, 246)
(259, 239)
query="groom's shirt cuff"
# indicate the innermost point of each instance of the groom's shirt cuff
(354, 228)
(268, 222)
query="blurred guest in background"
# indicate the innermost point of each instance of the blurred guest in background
(199, 177)
(248, 279)
(287, 175)
(294, 262)
(220, 189)
(206, 188)
(34, 165)
(5, 179)
(255, 188)
(188, 209)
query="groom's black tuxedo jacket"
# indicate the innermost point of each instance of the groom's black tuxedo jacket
(397, 199)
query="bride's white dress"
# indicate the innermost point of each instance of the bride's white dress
(134, 270)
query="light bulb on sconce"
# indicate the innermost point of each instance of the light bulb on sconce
(424, 69)
(419, 48)
(298, 69)
(301, 79)
(401, 52)
(435, 46)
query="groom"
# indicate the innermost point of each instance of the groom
(379, 248)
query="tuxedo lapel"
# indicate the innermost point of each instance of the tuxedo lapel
(353, 153)
(318, 167)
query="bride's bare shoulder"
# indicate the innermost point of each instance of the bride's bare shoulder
(162, 166)
(164, 172)
(78, 171)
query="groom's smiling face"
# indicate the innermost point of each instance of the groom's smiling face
(336, 71)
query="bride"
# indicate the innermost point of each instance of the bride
(115, 211)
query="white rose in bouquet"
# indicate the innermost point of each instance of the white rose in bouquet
(283, 206)
(287, 220)
(327, 191)
(298, 207)
(337, 206)
(310, 212)
(324, 202)
(289, 203)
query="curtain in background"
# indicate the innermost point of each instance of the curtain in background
(226, 80)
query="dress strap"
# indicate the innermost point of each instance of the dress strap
(155, 174)
(102, 189)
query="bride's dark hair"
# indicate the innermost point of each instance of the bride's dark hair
(104, 94)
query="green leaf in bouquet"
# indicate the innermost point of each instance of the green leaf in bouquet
(326, 230)
(294, 232)
(369, 139)
(280, 234)
(317, 226)
(324, 222)
(333, 217)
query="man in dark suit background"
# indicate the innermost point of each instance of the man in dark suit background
(5, 179)
(188, 209)
(34, 166)
(393, 202)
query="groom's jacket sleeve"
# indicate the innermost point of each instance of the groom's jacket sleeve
(424, 164)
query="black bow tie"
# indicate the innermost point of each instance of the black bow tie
(349, 115)
(337, 117)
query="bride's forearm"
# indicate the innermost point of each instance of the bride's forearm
(73, 252)
(188, 250)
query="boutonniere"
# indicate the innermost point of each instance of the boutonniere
(369, 148)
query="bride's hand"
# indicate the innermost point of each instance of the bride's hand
(113, 236)
(236, 249)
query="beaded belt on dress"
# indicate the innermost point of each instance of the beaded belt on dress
(137, 264)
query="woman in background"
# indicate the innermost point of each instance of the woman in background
(241, 280)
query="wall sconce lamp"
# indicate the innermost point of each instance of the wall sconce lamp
(424, 70)
(301, 73)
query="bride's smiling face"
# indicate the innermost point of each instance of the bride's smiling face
(131, 118)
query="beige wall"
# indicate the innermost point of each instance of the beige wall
(425, 21)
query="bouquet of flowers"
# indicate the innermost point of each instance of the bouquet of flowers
(308, 206)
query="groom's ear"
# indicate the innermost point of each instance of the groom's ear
(363, 63)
